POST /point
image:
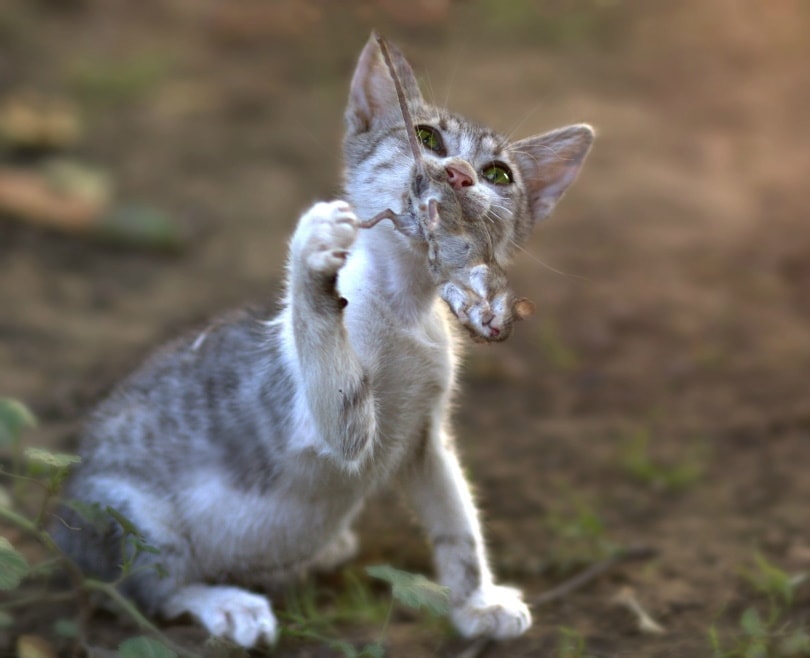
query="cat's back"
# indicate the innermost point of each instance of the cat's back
(197, 399)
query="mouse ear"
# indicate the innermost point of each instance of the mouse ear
(372, 95)
(549, 163)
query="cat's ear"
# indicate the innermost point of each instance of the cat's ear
(549, 163)
(372, 96)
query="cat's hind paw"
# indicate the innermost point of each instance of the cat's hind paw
(492, 611)
(228, 612)
(324, 236)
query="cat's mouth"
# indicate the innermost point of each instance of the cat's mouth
(460, 256)
(462, 262)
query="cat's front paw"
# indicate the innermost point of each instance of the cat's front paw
(492, 611)
(324, 236)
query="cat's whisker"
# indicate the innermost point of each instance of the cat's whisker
(550, 268)
(530, 113)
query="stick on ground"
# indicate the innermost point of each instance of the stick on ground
(480, 646)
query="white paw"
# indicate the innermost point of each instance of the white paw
(228, 612)
(492, 611)
(324, 236)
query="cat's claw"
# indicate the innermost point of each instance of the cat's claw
(325, 235)
(492, 611)
(228, 612)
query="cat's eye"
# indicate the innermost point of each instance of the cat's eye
(431, 139)
(497, 173)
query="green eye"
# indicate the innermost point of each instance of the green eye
(498, 173)
(430, 138)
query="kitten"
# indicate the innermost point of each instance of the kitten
(245, 453)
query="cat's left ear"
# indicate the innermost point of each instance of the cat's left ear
(372, 96)
(549, 163)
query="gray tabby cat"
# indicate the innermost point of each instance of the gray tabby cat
(245, 453)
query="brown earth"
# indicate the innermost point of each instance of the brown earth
(673, 284)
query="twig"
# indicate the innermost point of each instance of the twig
(593, 572)
(419, 162)
(481, 645)
(403, 106)
(83, 586)
(476, 648)
(626, 598)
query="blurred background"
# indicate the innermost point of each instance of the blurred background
(155, 156)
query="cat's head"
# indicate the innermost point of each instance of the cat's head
(502, 188)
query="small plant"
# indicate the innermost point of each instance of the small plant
(761, 638)
(308, 617)
(637, 460)
(45, 470)
(571, 644)
(766, 636)
(312, 614)
(578, 534)
(768, 579)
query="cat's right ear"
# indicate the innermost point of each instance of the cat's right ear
(372, 96)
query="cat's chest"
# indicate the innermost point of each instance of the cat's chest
(414, 370)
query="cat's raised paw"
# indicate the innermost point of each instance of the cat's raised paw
(324, 236)
(492, 611)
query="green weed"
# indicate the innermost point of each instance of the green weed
(578, 535)
(760, 637)
(771, 635)
(571, 644)
(36, 468)
(312, 614)
(637, 461)
(768, 579)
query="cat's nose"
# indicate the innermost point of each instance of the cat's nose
(459, 176)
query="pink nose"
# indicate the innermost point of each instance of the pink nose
(457, 177)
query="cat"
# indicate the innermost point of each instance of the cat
(245, 452)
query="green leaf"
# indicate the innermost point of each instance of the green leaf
(91, 513)
(127, 525)
(13, 565)
(57, 460)
(752, 624)
(413, 590)
(714, 640)
(144, 647)
(141, 546)
(14, 417)
(6, 620)
(772, 580)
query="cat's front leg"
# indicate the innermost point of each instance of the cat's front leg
(337, 387)
(441, 496)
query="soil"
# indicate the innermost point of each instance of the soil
(672, 284)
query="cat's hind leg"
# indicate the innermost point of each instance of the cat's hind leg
(228, 612)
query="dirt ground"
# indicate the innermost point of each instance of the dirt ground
(659, 396)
